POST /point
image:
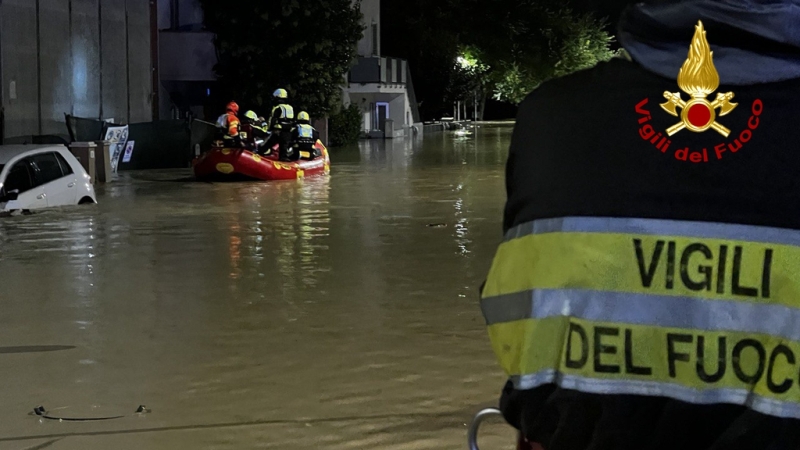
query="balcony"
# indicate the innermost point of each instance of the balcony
(378, 70)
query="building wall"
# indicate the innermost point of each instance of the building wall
(181, 13)
(370, 43)
(186, 58)
(88, 58)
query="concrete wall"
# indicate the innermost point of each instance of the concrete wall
(140, 75)
(19, 70)
(115, 62)
(89, 58)
(55, 65)
(186, 56)
(369, 45)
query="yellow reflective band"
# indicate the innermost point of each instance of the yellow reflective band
(708, 268)
(692, 365)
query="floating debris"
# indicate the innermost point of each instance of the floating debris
(84, 416)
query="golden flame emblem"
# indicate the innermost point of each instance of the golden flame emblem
(699, 78)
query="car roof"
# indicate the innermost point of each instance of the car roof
(9, 152)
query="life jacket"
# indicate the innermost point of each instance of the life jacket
(305, 137)
(284, 118)
(643, 258)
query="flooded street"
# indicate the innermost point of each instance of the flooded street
(331, 313)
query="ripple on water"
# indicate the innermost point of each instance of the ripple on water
(310, 300)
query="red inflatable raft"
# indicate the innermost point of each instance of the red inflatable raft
(238, 163)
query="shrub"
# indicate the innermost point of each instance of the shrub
(345, 127)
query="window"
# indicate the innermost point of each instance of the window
(46, 167)
(66, 169)
(375, 39)
(19, 178)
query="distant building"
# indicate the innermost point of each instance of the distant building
(186, 59)
(380, 85)
(87, 58)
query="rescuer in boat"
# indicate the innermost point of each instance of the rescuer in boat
(281, 121)
(304, 138)
(253, 131)
(647, 292)
(228, 124)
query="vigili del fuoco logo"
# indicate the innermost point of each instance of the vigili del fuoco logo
(698, 78)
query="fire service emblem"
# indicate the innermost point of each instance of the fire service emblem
(698, 77)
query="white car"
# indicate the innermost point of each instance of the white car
(42, 176)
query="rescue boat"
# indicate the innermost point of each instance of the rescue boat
(223, 163)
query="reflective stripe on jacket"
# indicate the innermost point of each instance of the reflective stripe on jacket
(701, 312)
(281, 116)
(230, 123)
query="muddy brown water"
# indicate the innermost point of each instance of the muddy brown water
(335, 313)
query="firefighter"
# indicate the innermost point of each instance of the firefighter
(617, 303)
(281, 121)
(304, 138)
(228, 124)
(253, 129)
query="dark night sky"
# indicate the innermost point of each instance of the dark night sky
(427, 81)
(609, 9)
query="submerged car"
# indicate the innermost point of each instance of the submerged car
(42, 176)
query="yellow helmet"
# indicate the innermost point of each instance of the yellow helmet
(280, 93)
(251, 115)
(303, 116)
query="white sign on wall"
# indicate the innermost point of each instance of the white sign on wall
(128, 152)
(118, 137)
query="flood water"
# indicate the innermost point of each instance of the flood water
(331, 313)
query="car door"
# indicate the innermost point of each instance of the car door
(59, 187)
(20, 178)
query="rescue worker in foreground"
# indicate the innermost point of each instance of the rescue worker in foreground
(228, 124)
(647, 292)
(281, 121)
(304, 138)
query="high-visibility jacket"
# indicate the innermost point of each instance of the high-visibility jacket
(639, 264)
(229, 123)
(282, 117)
(304, 137)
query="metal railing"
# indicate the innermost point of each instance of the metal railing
(472, 434)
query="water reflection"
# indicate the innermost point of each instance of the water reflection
(326, 297)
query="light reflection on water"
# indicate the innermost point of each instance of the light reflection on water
(325, 297)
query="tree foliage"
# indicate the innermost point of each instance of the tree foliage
(538, 40)
(516, 46)
(468, 77)
(423, 32)
(305, 47)
(344, 127)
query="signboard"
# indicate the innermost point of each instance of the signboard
(128, 152)
(117, 137)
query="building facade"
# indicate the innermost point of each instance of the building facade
(380, 85)
(186, 59)
(87, 58)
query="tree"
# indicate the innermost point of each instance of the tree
(538, 40)
(425, 33)
(469, 80)
(305, 47)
